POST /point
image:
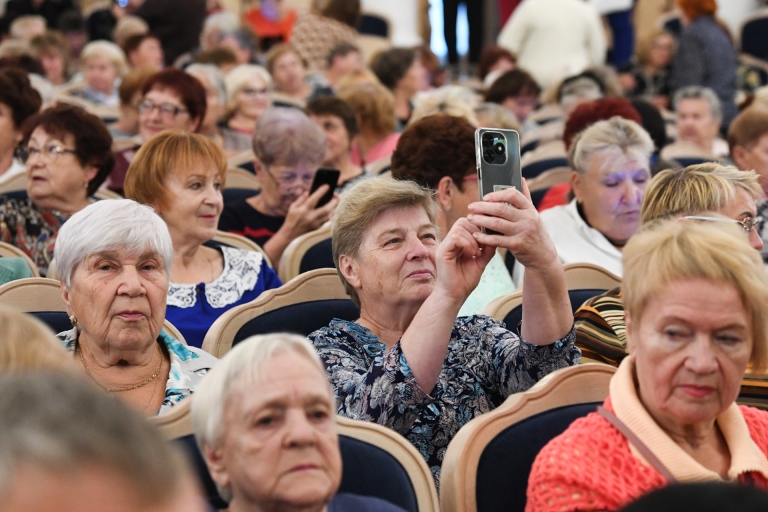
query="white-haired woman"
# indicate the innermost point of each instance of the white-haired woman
(102, 63)
(248, 89)
(114, 260)
(265, 422)
(611, 162)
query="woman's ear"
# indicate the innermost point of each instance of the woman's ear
(576, 184)
(90, 171)
(65, 298)
(446, 192)
(216, 466)
(348, 269)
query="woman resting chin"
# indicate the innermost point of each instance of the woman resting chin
(114, 258)
(696, 299)
(408, 362)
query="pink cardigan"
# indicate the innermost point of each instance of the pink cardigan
(592, 466)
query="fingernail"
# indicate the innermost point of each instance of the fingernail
(469, 216)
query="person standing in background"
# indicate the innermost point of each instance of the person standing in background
(475, 22)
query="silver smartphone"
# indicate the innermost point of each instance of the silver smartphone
(497, 154)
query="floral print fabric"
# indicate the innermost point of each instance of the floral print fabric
(484, 364)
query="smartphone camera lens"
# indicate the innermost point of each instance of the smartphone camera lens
(499, 148)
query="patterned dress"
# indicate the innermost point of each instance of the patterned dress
(188, 366)
(31, 229)
(484, 364)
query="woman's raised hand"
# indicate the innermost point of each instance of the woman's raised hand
(512, 215)
(460, 260)
(303, 216)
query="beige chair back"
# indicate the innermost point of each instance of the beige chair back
(550, 178)
(290, 261)
(313, 285)
(15, 184)
(240, 178)
(575, 385)
(243, 158)
(11, 251)
(589, 276)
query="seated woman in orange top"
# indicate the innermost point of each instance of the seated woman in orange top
(696, 299)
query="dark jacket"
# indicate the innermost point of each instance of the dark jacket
(705, 56)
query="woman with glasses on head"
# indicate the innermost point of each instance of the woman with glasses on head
(248, 89)
(68, 154)
(170, 99)
(289, 148)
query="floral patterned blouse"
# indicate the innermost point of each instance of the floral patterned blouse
(31, 229)
(484, 364)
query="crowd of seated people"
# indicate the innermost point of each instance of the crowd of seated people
(128, 145)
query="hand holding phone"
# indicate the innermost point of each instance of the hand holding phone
(325, 176)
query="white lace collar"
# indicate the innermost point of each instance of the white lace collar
(240, 274)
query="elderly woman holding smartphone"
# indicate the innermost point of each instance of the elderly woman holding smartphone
(289, 148)
(408, 363)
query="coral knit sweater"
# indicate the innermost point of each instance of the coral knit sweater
(592, 466)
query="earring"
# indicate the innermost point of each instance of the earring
(73, 320)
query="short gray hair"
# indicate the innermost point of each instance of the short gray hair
(109, 225)
(697, 92)
(358, 209)
(617, 135)
(214, 75)
(61, 422)
(239, 369)
(288, 136)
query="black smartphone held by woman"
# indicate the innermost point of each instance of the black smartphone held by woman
(325, 176)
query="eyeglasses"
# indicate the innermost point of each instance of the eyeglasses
(166, 110)
(249, 91)
(747, 224)
(49, 153)
(287, 179)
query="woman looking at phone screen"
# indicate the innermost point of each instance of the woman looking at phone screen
(289, 148)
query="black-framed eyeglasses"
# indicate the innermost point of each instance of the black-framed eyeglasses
(747, 224)
(51, 152)
(165, 109)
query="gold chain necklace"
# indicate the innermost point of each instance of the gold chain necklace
(117, 390)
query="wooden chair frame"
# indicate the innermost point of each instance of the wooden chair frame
(242, 158)
(550, 178)
(574, 385)
(177, 423)
(11, 251)
(44, 294)
(578, 276)
(290, 262)
(317, 284)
